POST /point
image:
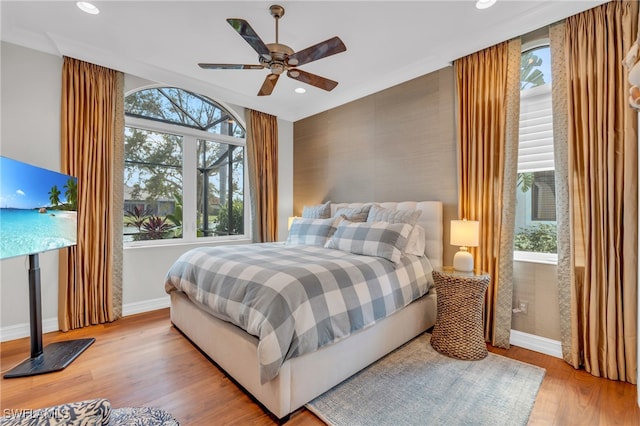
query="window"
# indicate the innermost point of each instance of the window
(220, 189)
(183, 168)
(535, 230)
(543, 196)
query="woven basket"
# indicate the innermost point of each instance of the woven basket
(458, 331)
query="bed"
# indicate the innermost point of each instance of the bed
(284, 377)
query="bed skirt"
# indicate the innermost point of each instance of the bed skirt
(303, 378)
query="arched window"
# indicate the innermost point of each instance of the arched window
(535, 231)
(183, 169)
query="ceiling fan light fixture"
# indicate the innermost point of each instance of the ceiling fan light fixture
(87, 7)
(294, 73)
(277, 68)
(485, 4)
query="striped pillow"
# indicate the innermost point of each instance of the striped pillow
(381, 214)
(381, 239)
(321, 211)
(312, 232)
(354, 214)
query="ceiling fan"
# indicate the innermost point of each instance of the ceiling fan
(279, 58)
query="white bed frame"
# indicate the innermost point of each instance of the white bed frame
(303, 378)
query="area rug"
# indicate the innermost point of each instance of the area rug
(416, 385)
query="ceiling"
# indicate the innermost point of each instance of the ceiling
(388, 42)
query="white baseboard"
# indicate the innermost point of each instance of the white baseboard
(145, 306)
(536, 343)
(19, 331)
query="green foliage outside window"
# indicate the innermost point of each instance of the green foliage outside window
(237, 228)
(150, 226)
(530, 74)
(541, 238)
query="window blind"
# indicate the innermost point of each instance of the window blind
(535, 150)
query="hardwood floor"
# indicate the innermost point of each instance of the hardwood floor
(142, 360)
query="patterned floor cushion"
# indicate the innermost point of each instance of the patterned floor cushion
(94, 412)
(141, 416)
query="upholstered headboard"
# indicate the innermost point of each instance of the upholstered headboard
(430, 220)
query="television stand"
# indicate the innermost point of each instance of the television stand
(56, 356)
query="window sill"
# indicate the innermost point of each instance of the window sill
(532, 257)
(203, 242)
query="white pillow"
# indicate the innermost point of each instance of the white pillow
(417, 241)
(381, 239)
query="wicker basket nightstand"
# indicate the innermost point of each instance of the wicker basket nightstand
(458, 331)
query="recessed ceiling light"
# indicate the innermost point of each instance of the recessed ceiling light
(485, 4)
(85, 6)
(300, 90)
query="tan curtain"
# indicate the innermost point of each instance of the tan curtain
(487, 84)
(262, 156)
(602, 171)
(92, 120)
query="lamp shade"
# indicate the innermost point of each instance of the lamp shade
(290, 221)
(465, 233)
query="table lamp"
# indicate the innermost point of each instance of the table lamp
(464, 233)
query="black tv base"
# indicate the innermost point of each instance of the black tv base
(56, 356)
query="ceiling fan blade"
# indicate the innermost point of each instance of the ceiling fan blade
(318, 51)
(230, 67)
(268, 85)
(244, 29)
(312, 79)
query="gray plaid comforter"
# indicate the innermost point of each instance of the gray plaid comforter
(296, 299)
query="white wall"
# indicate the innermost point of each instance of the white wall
(537, 284)
(30, 115)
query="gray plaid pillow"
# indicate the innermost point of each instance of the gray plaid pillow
(321, 211)
(381, 239)
(312, 232)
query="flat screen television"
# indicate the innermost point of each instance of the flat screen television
(38, 213)
(38, 209)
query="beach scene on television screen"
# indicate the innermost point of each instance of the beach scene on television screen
(38, 209)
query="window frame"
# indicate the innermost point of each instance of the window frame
(190, 137)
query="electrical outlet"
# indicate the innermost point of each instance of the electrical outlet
(523, 306)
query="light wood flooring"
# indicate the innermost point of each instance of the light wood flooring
(142, 360)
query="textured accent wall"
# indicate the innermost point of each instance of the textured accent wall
(395, 145)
